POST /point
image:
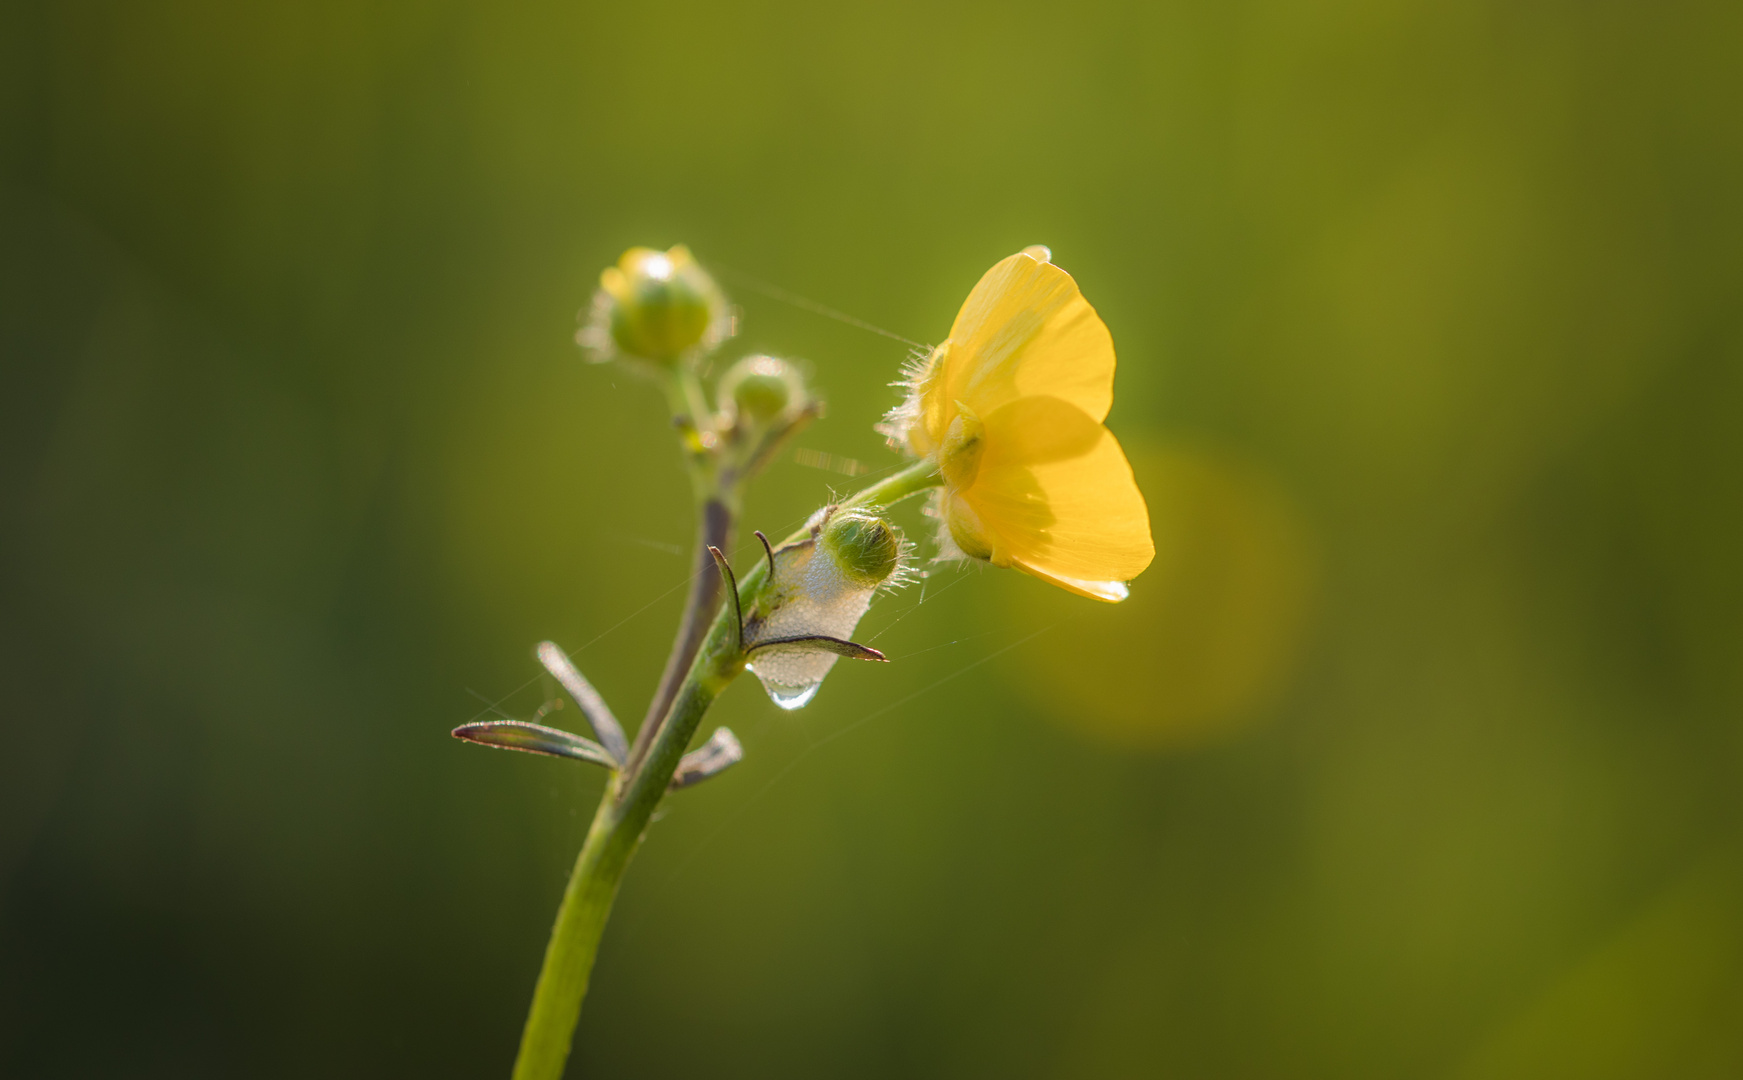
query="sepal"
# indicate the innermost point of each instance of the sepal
(853, 650)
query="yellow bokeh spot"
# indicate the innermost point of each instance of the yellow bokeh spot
(1211, 632)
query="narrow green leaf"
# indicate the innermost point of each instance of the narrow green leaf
(721, 750)
(593, 706)
(534, 739)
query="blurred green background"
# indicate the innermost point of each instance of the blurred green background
(1415, 755)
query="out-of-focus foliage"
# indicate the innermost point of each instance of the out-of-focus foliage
(1416, 753)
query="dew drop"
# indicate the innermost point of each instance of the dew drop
(792, 697)
(791, 676)
(818, 599)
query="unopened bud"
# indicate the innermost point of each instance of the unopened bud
(763, 388)
(817, 591)
(866, 547)
(655, 305)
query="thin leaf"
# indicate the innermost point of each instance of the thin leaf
(535, 739)
(720, 751)
(593, 706)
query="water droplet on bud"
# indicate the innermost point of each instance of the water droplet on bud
(820, 587)
(792, 697)
(791, 677)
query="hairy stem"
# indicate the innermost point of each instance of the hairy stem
(916, 478)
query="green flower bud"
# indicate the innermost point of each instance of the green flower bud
(817, 590)
(864, 546)
(763, 388)
(655, 305)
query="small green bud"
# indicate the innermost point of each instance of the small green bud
(866, 547)
(657, 305)
(817, 590)
(763, 388)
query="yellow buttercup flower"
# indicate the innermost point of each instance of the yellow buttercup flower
(1011, 408)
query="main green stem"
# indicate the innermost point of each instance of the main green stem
(616, 832)
(713, 661)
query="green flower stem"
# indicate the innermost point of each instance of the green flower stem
(550, 1026)
(708, 654)
(691, 416)
(916, 478)
(617, 829)
(695, 402)
(717, 510)
(714, 529)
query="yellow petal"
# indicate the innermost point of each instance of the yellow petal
(1056, 497)
(1025, 330)
(1111, 591)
